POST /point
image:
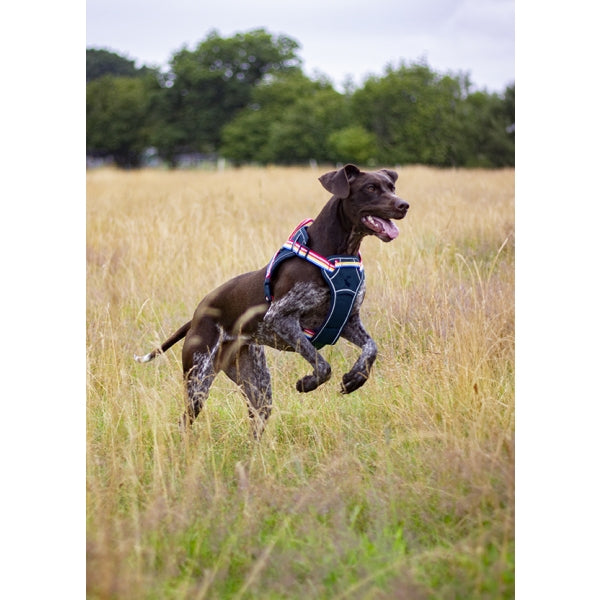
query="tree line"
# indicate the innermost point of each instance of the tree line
(245, 98)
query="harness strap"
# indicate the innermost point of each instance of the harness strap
(294, 246)
(343, 274)
(344, 283)
(307, 254)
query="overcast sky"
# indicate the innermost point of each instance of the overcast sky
(339, 38)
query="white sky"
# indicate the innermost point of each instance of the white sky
(339, 38)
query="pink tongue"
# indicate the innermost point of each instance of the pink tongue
(389, 227)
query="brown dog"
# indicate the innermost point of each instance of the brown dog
(232, 323)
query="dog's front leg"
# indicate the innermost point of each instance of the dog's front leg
(356, 334)
(321, 371)
(292, 333)
(288, 330)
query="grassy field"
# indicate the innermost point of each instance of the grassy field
(404, 489)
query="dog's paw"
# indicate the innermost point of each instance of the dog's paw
(352, 381)
(307, 384)
(312, 382)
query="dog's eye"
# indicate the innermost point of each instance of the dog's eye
(371, 188)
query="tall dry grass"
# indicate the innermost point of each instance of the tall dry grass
(403, 489)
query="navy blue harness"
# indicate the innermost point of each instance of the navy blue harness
(343, 274)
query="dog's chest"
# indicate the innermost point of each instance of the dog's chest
(307, 304)
(307, 301)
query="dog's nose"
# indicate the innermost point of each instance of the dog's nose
(402, 206)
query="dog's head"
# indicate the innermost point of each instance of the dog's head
(369, 199)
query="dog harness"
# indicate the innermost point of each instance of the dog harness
(343, 274)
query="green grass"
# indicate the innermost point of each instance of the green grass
(403, 489)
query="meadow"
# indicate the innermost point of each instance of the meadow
(403, 489)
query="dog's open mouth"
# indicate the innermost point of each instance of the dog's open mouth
(384, 229)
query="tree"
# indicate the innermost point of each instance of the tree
(487, 129)
(412, 111)
(100, 62)
(304, 128)
(247, 98)
(288, 121)
(117, 111)
(353, 144)
(246, 137)
(206, 87)
(246, 57)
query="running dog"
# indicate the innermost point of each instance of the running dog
(308, 295)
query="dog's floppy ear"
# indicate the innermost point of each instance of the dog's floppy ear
(392, 174)
(338, 182)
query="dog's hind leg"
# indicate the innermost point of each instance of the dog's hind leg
(249, 370)
(198, 381)
(200, 351)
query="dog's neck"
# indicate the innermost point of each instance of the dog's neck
(333, 233)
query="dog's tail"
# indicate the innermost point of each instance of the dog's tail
(178, 335)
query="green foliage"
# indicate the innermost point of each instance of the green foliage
(244, 58)
(245, 138)
(287, 121)
(412, 112)
(304, 127)
(100, 62)
(117, 109)
(207, 86)
(353, 144)
(487, 129)
(245, 97)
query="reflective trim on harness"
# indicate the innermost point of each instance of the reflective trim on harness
(343, 274)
